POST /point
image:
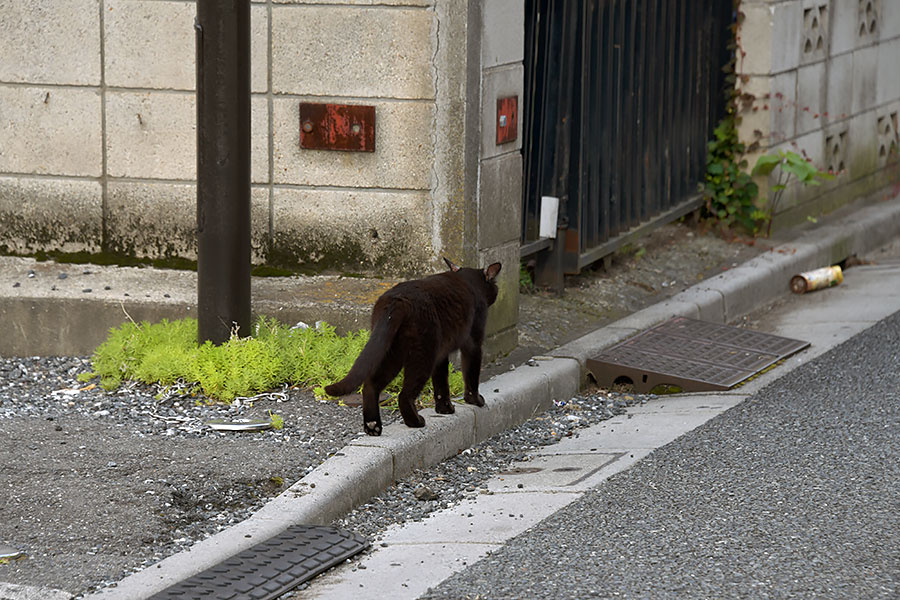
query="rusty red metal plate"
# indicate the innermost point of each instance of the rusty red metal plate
(692, 355)
(507, 119)
(347, 127)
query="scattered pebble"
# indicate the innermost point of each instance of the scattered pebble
(466, 474)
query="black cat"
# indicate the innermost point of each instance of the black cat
(415, 326)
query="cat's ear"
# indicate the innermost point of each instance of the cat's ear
(452, 267)
(490, 273)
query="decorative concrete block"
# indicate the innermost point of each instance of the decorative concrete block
(47, 41)
(150, 44)
(31, 210)
(402, 158)
(352, 230)
(888, 129)
(811, 97)
(500, 200)
(503, 33)
(159, 220)
(814, 39)
(55, 131)
(352, 51)
(837, 148)
(868, 21)
(151, 135)
(500, 83)
(865, 78)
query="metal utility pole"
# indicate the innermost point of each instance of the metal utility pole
(223, 168)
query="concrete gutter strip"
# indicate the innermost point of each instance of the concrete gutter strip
(369, 465)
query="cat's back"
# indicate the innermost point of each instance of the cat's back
(434, 289)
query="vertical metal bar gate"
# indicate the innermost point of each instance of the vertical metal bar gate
(621, 99)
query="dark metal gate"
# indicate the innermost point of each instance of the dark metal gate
(621, 100)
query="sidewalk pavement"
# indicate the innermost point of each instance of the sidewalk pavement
(553, 492)
(369, 465)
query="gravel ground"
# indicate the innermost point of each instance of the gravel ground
(97, 485)
(448, 483)
(101, 484)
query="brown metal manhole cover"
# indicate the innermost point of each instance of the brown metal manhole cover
(693, 355)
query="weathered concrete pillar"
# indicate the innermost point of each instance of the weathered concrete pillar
(478, 187)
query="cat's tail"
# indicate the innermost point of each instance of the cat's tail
(371, 356)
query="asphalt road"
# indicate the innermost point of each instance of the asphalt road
(795, 493)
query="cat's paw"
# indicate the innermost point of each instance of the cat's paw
(444, 408)
(372, 427)
(419, 422)
(477, 401)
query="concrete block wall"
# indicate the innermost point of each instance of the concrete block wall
(821, 78)
(98, 96)
(97, 136)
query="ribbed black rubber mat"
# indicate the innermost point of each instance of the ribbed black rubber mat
(692, 355)
(270, 568)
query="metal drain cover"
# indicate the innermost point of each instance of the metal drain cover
(693, 355)
(270, 568)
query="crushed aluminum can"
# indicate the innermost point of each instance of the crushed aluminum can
(10, 553)
(816, 280)
(240, 425)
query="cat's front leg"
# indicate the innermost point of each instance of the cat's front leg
(441, 384)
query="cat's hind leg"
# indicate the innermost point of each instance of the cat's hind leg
(372, 388)
(414, 379)
(371, 412)
(441, 384)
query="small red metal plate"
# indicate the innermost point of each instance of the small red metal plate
(348, 127)
(507, 119)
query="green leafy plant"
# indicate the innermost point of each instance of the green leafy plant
(790, 166)
(729, 190)
(526, 284)
(167, 353)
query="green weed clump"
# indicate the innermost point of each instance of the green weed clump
(167, 353)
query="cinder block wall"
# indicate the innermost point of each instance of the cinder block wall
(97, 133)
(822, 78)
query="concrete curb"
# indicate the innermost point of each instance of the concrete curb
(368, 465)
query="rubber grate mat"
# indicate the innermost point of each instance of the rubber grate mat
(271, 568)
(693, 355)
